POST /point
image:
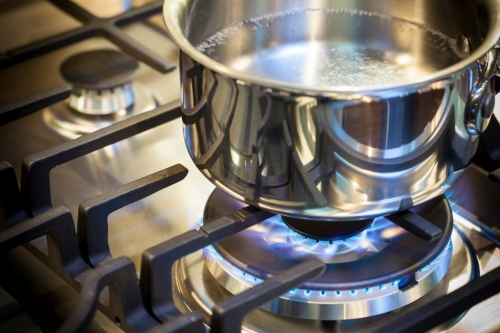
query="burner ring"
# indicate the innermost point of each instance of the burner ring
(406, 253)
(335, 305)
(198, 290)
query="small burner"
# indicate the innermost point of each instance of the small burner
(326, 230)
(377, 270)
(101, 81)
(102, 93)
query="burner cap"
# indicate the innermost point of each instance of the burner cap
(99, 69)
(101, 81)
(326, 230)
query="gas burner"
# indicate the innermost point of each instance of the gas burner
(367, 274)
(331, 304)
(199, 289)
(101, 81)
(370, 274)
(102, 93)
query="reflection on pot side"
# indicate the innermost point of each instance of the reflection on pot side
(277, 135)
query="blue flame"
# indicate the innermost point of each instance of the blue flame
(277, 234)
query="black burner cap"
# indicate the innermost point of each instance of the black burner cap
(326, 230)
(99, 69)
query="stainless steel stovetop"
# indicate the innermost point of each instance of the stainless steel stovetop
(178, 208)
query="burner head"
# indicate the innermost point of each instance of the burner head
(101, 81)
(326, 230)
(102, 93)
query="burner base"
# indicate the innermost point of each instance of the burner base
(332, 304)
(72, 124)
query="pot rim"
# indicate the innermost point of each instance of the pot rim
(171, 9)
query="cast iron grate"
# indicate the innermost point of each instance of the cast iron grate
(27, 106)
(93, 26)
(89, 267)
(83, 260)
(108, 28)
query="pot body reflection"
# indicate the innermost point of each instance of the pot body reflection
(327, 158)
(283, 107)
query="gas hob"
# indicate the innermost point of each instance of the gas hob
(154, 211)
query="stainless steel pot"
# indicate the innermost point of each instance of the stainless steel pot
(268, 120)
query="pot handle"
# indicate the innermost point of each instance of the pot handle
(482, 102)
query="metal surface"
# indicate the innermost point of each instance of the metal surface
(65, 258)
(138, 226)
(93, 214)
(482, 102)
(383, 23)
(144, 224)
(125, 304)
(448, 306)
(133, 228)
(102, 102)
(332, 152)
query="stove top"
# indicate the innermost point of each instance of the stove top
(127, 197)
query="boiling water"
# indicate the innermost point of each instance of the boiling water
(324, 64)
(333, 47)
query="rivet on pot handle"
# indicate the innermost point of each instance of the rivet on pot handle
(482, 101)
